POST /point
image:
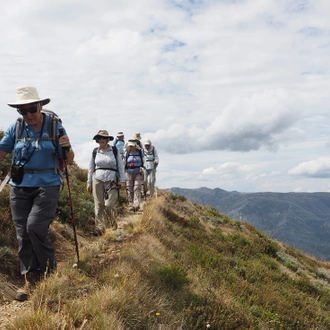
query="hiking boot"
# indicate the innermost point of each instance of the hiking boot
(23, 293)
(136, 208)
(132, 209)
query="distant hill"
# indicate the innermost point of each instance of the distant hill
(301, 220)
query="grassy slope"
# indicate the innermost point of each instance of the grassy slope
(184, 266)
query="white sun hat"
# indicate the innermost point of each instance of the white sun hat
(26, 95)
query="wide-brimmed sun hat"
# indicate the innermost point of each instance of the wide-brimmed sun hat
(26, 95)
(137, 136)
(132, 143)
(120, 134)
(103, 133)
(147, 143)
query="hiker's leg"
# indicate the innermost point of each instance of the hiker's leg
(145, 182)
(152, 179)
(98, 194)
(39, 220)
(130, 188)
(21, 205)
(110, 206)
(137, 190)
(33, 210)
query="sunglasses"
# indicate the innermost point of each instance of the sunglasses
(24, 111)
(100, 138)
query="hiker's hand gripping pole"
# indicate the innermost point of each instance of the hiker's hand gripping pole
(61, 130)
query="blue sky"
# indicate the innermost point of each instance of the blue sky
(233, 94)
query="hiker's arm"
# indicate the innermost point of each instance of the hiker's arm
(91, 170)
(65, 144)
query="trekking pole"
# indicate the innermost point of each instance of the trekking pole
(61, 130)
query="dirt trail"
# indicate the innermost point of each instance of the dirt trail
(10, 308)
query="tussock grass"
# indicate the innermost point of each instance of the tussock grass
(182, 266)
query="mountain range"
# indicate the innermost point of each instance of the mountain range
(301, 220)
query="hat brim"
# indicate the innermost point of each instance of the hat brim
(132, 145)
(103, 136)
(28, 101)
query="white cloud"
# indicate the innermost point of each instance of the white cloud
(247, 81)
(317, 168)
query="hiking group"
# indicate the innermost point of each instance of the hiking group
(41, 150)
(118, 166)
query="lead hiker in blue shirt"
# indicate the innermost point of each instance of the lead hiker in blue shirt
(35, 183)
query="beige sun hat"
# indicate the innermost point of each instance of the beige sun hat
(119, 134)
(103, 133)
(26, 95)
(137, 136)
(132, 143)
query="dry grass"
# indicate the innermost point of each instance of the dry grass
(182, 266)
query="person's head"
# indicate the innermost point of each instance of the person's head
(102, 136)
(147, 144)
(120, 136)
(131, 145)
(29, 104)
(137, 136)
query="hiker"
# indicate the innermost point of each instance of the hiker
(133, 160)
(119, 142)
(106, 176)
(151, 161)
(35, 183)
(138, 137)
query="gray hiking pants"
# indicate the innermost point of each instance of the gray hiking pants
(149, 178)
(33, 210)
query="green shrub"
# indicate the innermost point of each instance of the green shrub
(173, 276)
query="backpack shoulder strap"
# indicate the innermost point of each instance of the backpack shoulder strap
(52, 128)
(94, 153)
(115, 151)
(140, 153)
(19, 128)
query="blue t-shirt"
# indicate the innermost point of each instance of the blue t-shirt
(119, 144)
(37, 155)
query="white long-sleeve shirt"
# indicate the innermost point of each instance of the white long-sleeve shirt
(104, 165)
